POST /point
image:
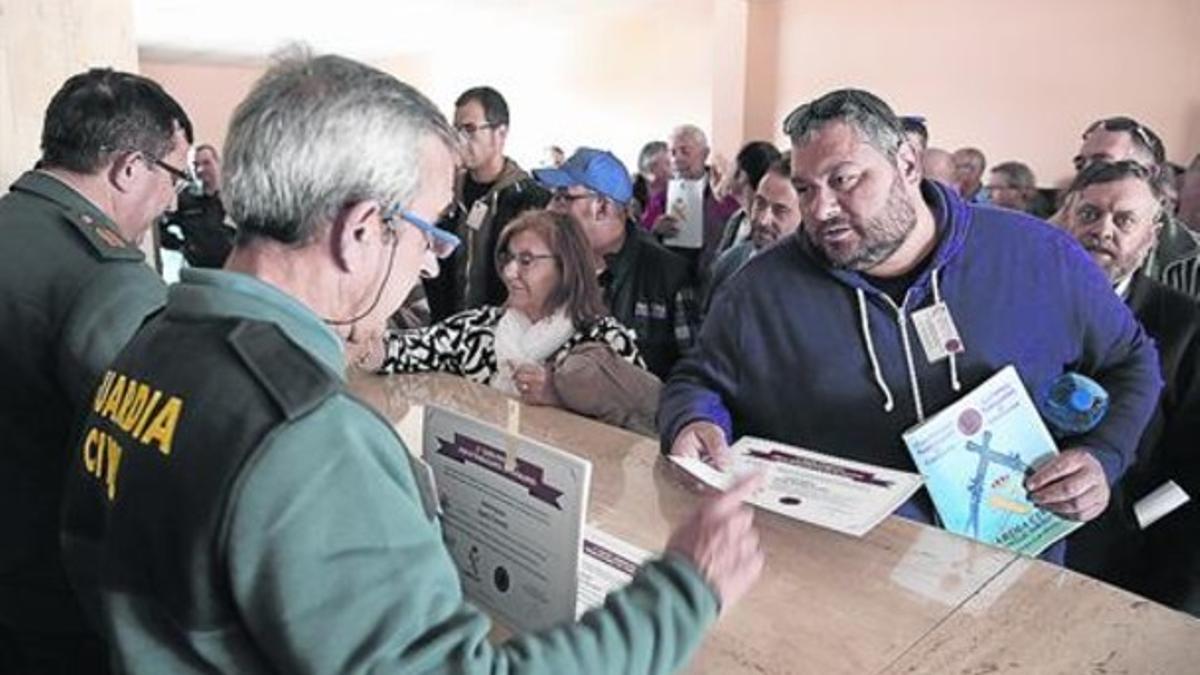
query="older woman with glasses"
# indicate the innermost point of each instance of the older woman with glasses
(554, 305)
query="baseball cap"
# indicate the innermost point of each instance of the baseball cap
(597, 170)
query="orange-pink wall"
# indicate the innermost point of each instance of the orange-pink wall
(1020, 79)
(208, 92)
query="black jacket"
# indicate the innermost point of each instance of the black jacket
(469, 278)
(648, 288)
(1162, 562)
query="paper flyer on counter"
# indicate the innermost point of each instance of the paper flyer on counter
(839, 494)
(512, 517)
(608, 564)
(975, 455)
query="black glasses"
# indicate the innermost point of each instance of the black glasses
(179, 178)
(524, 259)
(469, 129)
(564, 197)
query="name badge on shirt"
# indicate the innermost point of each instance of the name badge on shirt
(937, 332)
(427, 485)
(476, 215)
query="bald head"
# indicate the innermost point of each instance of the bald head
(937, 164)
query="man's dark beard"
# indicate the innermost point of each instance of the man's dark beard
(883, 234)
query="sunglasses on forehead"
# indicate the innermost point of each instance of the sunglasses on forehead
(835, 105)
(1142, 134)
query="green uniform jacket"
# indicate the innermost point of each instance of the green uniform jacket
(72, 292)
(317, 556)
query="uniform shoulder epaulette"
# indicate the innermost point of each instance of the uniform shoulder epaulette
(292, 377)
(102, 240)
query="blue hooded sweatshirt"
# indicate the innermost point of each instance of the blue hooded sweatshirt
(797, 351)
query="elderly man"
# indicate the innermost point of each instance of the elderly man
(814, 344)
(969, 164)
(74, 288)
(774, 214)
(646, 287)
(689, 154)
(1116, 213)
(1175, 260)
(232, 508)
(490, 192)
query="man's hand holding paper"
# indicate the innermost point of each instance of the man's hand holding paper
(1071, 485)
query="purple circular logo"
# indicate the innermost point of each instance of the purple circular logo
(970, 422)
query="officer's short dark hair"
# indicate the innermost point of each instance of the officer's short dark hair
(495, 108)
(104, 111)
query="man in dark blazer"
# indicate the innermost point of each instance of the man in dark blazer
(1116, 214)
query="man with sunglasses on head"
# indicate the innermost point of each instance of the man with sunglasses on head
(815, 343)
(232, 508)
(74, 286)
(1175, 258)
(490, 191)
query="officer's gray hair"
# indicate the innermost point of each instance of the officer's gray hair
(318, 133)
(690, 131)
(864, 111)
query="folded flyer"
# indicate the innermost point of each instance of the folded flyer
(975, 455)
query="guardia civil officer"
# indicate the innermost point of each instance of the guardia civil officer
(232, 508)
(73, 288)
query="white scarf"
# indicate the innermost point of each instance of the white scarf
(519, 342)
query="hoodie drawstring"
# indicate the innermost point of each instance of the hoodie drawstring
(901, 321)
(865, 324)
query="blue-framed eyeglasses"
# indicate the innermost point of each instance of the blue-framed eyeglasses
(441, 242)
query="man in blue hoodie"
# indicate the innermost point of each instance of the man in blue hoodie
(814, 342)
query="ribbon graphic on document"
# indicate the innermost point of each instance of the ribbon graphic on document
(464, 449)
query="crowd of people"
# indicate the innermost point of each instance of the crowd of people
(175, 494)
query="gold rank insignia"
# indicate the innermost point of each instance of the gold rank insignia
(111, 238)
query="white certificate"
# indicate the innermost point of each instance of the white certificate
(838, 494)
(512, 517)
(685, 201)
(608, 564)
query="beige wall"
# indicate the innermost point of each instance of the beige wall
(208, 92)
(42, 43)
(607, 76)
(1020, 79)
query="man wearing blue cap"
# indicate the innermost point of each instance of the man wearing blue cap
(646, 287)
